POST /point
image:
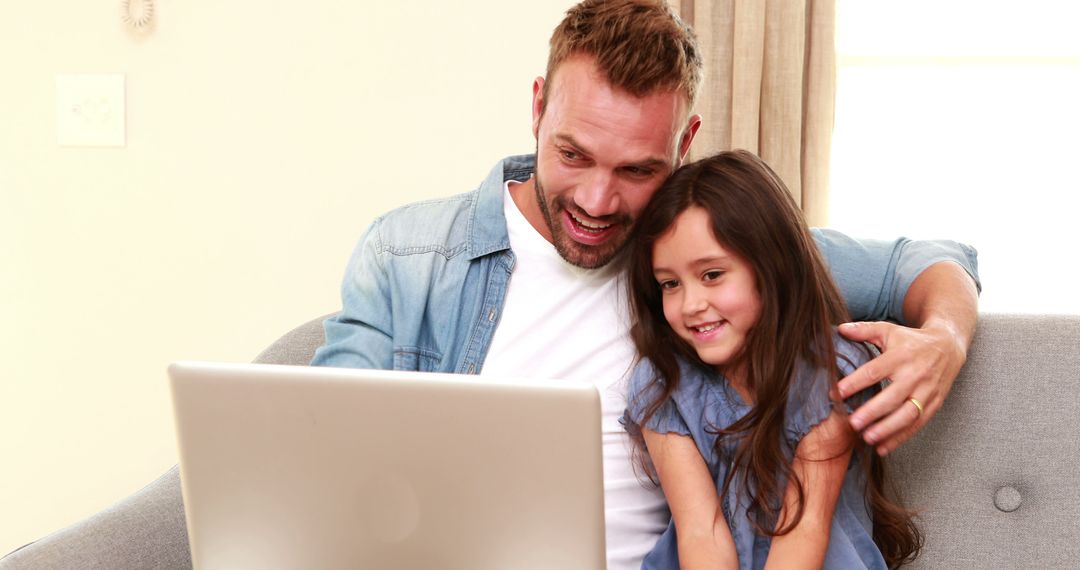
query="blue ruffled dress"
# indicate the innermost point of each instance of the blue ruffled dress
(705, 400)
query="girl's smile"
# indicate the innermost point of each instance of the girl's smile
(706, 331)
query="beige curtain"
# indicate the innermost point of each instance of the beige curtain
(770, 87)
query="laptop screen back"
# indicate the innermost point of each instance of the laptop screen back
(303, 467)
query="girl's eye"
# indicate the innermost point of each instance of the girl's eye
(668, 284)
(712, 275)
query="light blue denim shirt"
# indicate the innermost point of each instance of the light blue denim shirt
(425, 286)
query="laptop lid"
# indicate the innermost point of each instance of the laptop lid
(307, 467)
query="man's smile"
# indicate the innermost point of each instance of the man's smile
(590, 225)
(586, 232)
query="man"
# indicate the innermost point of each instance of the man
(522, 275)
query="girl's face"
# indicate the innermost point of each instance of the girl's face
(710, 295)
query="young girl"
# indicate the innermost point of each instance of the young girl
(734, 398)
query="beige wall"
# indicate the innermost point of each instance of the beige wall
(262, 137)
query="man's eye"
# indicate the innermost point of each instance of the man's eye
(570, 155)
(712, 275)
(638, 171)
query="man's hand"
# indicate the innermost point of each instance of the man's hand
(921, 363)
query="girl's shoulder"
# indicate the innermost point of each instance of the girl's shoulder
(699, 399)
(851, 354)
(646, 380)
(812, 395)
(648, 403)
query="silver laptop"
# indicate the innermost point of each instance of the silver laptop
(320, 468)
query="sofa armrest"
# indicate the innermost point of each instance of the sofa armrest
(145, 530)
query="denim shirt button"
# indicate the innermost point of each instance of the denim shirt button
(1007, 499)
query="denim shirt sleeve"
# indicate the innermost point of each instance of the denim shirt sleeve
(360, 335)
(874, 275)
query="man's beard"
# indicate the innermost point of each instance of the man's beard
(579, 254)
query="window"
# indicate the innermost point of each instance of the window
(961, 120)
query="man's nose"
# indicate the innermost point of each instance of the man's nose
(599, 195)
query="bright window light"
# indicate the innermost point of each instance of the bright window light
(961, 120)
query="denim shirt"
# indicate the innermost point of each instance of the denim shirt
(425, 286)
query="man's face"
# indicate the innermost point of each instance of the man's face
(601, 153)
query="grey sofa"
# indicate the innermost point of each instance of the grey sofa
(996, 475)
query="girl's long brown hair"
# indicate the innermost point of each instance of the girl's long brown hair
(755, 217)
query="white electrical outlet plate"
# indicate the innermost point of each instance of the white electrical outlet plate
(90, 109)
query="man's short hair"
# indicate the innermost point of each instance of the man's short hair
(641, 46)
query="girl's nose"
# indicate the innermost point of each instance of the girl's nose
(693, 301)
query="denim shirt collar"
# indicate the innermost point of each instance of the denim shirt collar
(487, 222)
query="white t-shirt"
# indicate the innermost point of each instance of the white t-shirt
(562, 321)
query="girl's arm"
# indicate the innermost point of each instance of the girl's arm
(821, 462)
(704, 538)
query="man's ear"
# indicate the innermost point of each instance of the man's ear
(692, 127)
(537, 106)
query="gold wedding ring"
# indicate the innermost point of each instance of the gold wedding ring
(918, 405)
